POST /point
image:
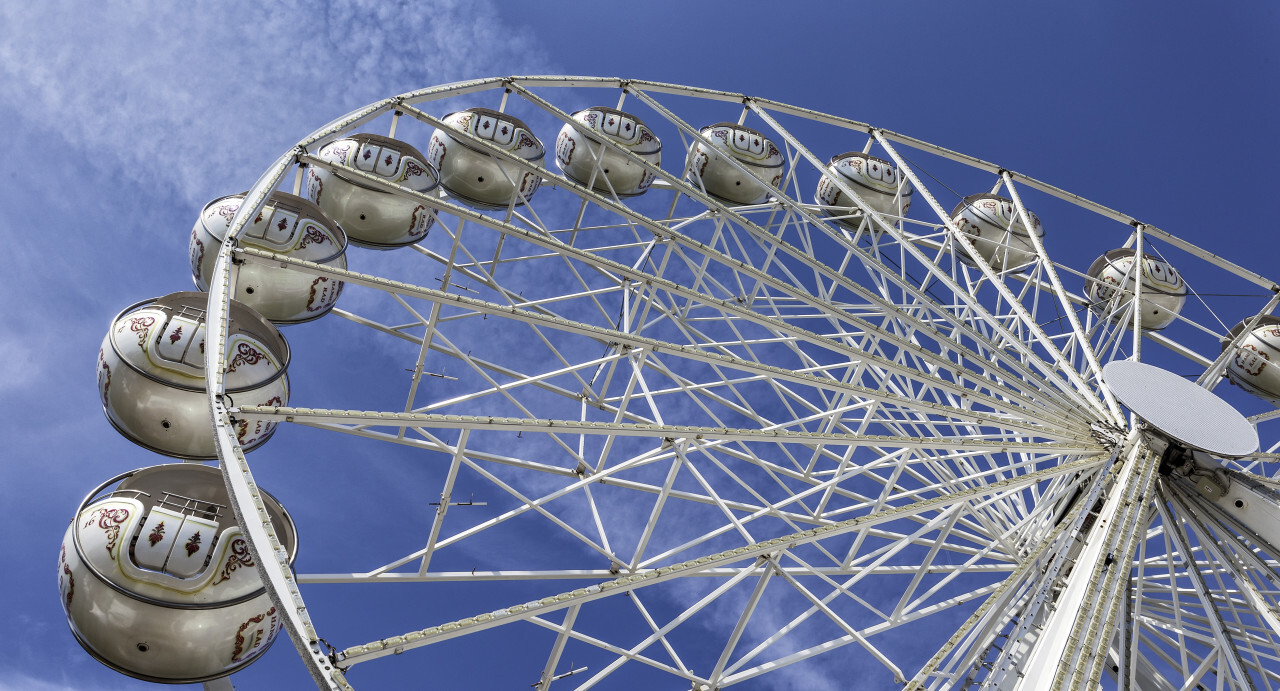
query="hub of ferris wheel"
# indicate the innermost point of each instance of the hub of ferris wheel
(1181, 428)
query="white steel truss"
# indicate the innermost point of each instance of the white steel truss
(749, 436)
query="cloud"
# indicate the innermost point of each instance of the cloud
(199, 98)
(22, 682)
(17, 358)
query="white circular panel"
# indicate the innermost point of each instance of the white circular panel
(1180, 409)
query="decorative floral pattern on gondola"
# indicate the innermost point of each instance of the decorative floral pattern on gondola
(197, 256)
(529, 184)
(312, 235)
(157, 534)
(228, 212)
(260, 428)
(420, 221)
(256, 638)
(968, 228)
(140, 326)
(436, 151)
(1106, 288)
(700, 161)
(324, 292)
(246, 354)
(338, 151)
(104, 376)
(110, 520)
(829, 194)
(411, 170)
(315, 186)
(565, 146)
(239, 556)
(193, 545)
(1250, 360)
(70, 590)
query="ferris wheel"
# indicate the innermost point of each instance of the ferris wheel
(694, 390)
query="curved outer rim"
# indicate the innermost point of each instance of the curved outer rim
(75, 541)
(374, 245)
(861, 186)
(584, 183)
(1013, 229)
(465, 141)
(476, 203)
(861, 155)
(1112, 256)
(381, 140)
(164, 680)
(170, 453)
(284, 359)
(739, 159)
(270, 557)
(625, 114)
(330, 224)
(1234, 333)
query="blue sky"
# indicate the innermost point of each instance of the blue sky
(126, 117)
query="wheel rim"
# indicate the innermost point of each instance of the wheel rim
(750, 436)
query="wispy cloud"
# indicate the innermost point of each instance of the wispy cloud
(200, 98)
(22, 682)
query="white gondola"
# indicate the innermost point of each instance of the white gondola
(157, 581)
(287, 225)
(371, 217)
(709, 167)
(1112, 288)
(875, 180)
(151, 374)
(585, 160)
(473, 175)
(996, 230)
(1255, 367)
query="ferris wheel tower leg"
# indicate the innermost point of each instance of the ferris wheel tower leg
(1071, 647)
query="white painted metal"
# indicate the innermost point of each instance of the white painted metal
(1180, 410)
(751, 435)
(1075, 639)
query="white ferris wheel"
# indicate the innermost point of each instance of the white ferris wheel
(664, 387)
